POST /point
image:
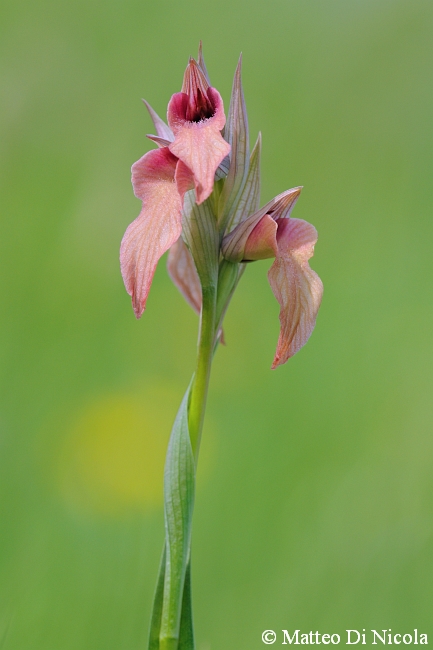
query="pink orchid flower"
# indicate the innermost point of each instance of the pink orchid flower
(271, 232)
(191, 148)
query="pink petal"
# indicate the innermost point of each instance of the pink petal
(280, 207)
(181, 269)
(195, 85)
(199, 144)
(157, 227)
(184, 178)
(161, 127)
(262, 241)
(297, 288)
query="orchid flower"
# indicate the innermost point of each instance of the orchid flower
(200, 192)
(271, 232)
(191, 150)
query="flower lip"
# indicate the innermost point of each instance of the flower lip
(199, 144)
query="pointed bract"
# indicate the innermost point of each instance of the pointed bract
(236, 134)
(157, 227)
(248, 199)
(161, 127)
(202, 64)
(161, 142)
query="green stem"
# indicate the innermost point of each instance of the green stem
(202, 374)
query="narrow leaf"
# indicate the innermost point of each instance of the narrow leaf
(155, 621)
(179, 479)
(186, 633)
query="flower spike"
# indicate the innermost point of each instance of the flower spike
(196, 148)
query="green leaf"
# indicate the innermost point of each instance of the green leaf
(179, 482)
(186, 631)
(155, 622)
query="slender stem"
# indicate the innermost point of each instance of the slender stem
(204, 360)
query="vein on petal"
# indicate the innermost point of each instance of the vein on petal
(156, 228)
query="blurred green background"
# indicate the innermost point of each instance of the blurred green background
(314, 505)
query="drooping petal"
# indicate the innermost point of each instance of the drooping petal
(161, 127)
(157, 227)
(181, 269)
(296, 286)
(199, 144)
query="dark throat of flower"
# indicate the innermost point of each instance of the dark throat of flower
(199, 107)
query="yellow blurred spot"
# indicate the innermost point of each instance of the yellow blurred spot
(112, 460)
